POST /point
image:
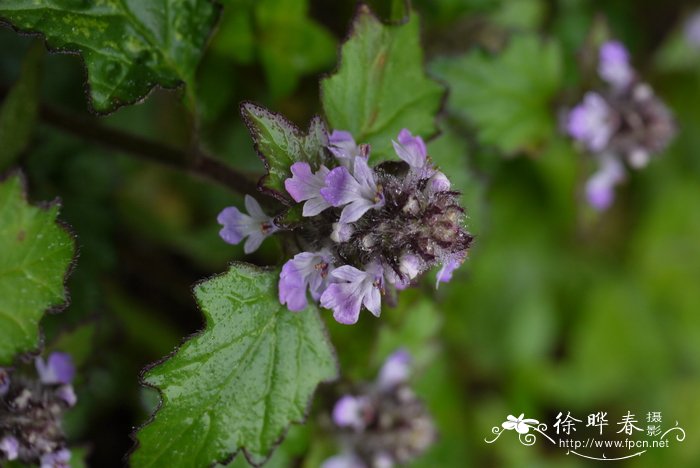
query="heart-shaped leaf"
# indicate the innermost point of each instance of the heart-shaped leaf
(35, 257)
(241, 382)
(380, 86)
(128, 46)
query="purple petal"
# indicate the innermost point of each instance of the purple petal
(373, 301)
(292, 287)
(411, 149)
(253, 242)
(58, 459)
(343, 146)
(254, 209)
(349, 412)
(600, 193)
(236, 225)
(348, 273)
(448, 267)
(590, 122)
(303, 185)
(58, 370)
(343, 461)
(338, 137)
(67, 394)
(600, 187)
(345, 300)
(638, 158)
(355, 210)
(614, 65)
(439, 183)
(396, 369)
(9, 445)
(691, 30)
(341, 187)
(364, 175)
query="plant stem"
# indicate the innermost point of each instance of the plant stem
(195, 161)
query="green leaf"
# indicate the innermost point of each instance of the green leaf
(279, 143)
(380, 86)
(128, 46)
(35, 256)
(241, 382)
(508, 97)
(19, 110)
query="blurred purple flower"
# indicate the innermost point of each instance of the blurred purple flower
(351, 290)
(60, 459)
(357, 192)
(600, 188)
(691, 30)
(9, 445)
(256, 226)
(351, 411)
(396, 369)
(614, 66)
(590, 122)
(306, 186)
(346, 460)
(305, 270)
(59, 369)
(67, 394)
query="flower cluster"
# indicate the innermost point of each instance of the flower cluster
(624, 122)
(31, 410)
(364, 229)
(384, 424)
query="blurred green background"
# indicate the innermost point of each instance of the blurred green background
(557, 309)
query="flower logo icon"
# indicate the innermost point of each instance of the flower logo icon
(521, 425)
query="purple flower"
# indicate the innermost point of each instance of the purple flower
(357, 192)
(306, 186)
(600, 187)
(67, 394)
(351, 411)
(353, 289)
(638, 158)
(305, 270)
(344, 148)
(590, 122)
(58, 370)
(411, 149)
(691, 30)
(346, 460)
(396, 369)
(438, 182)
(449, 265)
(237, 226)
(10, 447)
(58, 459)
(614, 66)
(4, 382)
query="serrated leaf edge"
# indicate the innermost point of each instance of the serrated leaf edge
(142, 377)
